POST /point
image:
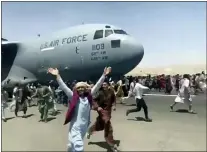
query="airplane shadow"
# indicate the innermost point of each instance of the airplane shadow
(104, 145)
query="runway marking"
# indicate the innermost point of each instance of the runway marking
(164, 95)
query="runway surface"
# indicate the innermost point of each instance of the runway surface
(169, 131)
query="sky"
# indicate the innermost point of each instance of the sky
(171, 32)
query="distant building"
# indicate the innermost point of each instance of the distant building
(171, 69)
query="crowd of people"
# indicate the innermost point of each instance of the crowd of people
(102, 96)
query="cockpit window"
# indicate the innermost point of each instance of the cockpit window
(108, 32)
(98, 34)
(115, 43)
(120, 32)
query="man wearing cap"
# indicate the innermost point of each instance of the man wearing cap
(104, 102)
(78, 114)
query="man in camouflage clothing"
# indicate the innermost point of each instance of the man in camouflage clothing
(43, 94)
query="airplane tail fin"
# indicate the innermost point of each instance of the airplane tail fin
(3, 39)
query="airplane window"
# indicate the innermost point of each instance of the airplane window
(120, 32)
(115, 43)
(98, 34)
(108, 32)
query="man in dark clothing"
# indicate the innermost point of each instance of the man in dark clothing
(21, 103)
(177, 82)
(168, 85)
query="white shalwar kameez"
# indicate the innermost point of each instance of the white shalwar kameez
(52, 99)
(81, 118)
(184, 93)
(4, 105)
(14, 99)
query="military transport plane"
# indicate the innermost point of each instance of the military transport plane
(80, 52)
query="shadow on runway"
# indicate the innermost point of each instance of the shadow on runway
(9, 118)
(33, 105)
(137, 119)
(130, 104)
(184, 111)
(55, 113)
(104, 145)
(50, 119)
(30, 115)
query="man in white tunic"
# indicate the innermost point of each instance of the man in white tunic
(4, 99)
(80, 119)
(14, 97)
(184, 94)
(53, 100)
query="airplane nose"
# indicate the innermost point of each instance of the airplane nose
(130, 55)
(134, 50)
(138, 51)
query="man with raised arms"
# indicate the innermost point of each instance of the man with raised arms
(78, 113)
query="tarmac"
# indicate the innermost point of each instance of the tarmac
(169, 131)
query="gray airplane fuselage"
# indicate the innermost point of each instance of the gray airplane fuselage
(79, 52)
